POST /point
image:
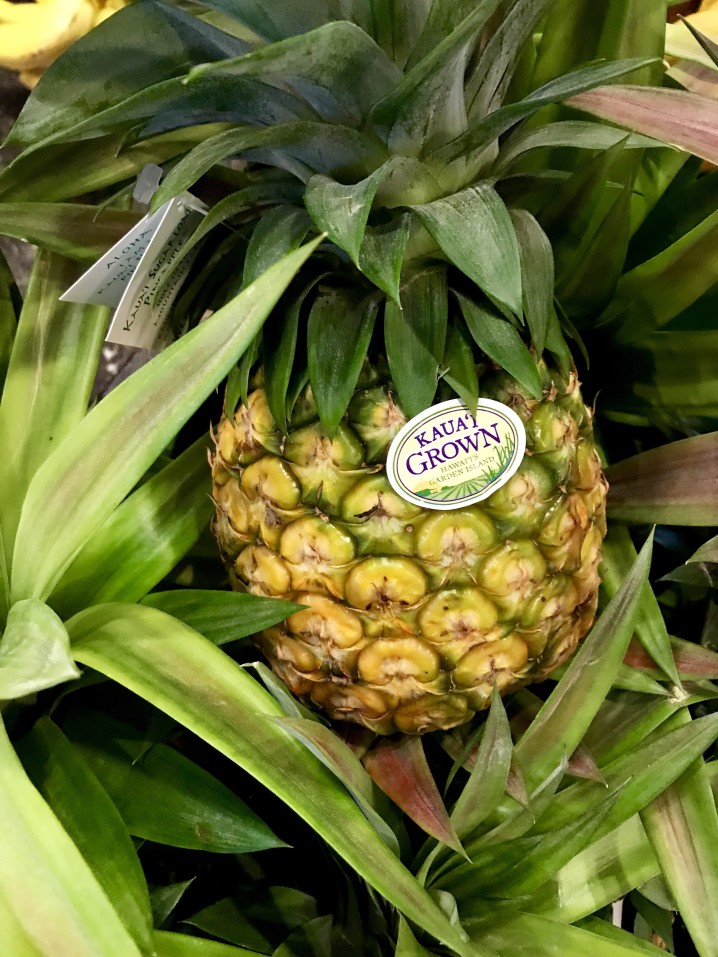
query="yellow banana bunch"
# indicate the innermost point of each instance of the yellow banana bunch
(32, 35)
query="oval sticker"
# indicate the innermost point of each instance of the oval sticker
(446, 457)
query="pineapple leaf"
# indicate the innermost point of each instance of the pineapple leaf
(489, 80)
(429, 101)
(537, 275)
(399, 767)
(407, 945)
(500, 341)
(178, 671)
(600, 874)
(398, 24)
(710, 47)
(64, 99)
(490, 127)
(342, 211)
(487, 782)
(578, 134)
(684, 120)
(460, 366)
(682, 826)
(92, 821)
(64, 900)
(328, 149)
(652, 294)
(381, 255)
(70, 229)
(34, 652)
(171, 944)
(444, 16)
(619, 554)
(672, 375)
(221, 616)
(334, 754)
(161, 795)
(675, 484)
(143, 539)
(528, 935)
(278, 232)
(415, 338)
(474, 229)
(322, 66)
(49, 381)
(62, 171)
(339, 329)
(280, 337)
(274, 19)
(569, 710)
(122, 436)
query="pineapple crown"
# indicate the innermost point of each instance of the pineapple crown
(467, 215)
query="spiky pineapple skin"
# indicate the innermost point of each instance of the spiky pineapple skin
(412, 615)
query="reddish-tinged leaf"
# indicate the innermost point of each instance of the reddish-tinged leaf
(676, 484)
(678, 118)
(696, 78)
(692, 661)
(516, 784)
(399, 767)
(581, 764)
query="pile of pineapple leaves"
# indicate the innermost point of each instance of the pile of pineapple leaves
(161, 792)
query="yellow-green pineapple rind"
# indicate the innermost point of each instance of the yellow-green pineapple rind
(412, 616)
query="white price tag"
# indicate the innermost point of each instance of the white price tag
(130, 274)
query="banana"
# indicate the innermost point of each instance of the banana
(33, 35)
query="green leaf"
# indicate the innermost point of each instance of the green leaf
(339, 330)
(381, 255)
(684, 120)
(334, 754)
(527, 935)
(62, 171)
(313, 939)
(415, 337)
(91, 820)
(474, 229)
(10, 305)
(682, 826)
(337, 150)
(74, 230)
(45, 884)
(322, 66)
(602, 928)
(184, 675)
(619, 554)
(675, 484)
(570, 708)
(428, 103)
(342, 211)
(227, 920)
(602, 873)
(579, 134)
(278, 232)
(490, 79)
(143, 539)
(487, 782)
(398, 24)
(221, 616)
(500, 341)
(536, 275)
(460, 366)
(49, 381)
(274, 20)
(164, 899)
(279, 348)
(490, 127)
(399, 767)
(168, 944)
(161, 795)
(407, 945)
(124, 434)
(657, 290)
(63, 98)
(34, 651)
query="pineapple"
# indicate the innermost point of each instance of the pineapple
(412, 616)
